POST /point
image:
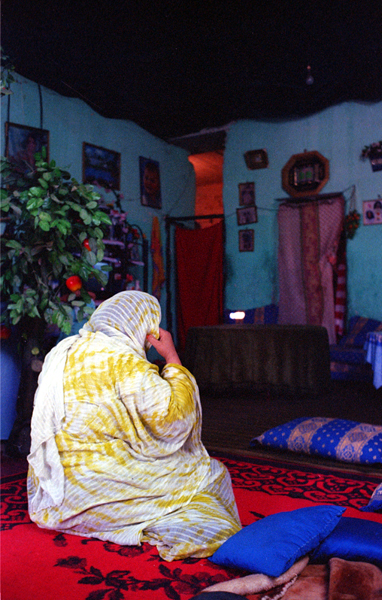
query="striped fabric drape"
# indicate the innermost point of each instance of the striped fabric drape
(340, 289)
(309, 235)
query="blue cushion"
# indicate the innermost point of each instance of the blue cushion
(375, 502)
(273, 544)
(358, 327)
(268, 315)
(352, 539)
(351, 372)
(348, 441)
(344, 354)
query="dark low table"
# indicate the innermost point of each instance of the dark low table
(294, 358)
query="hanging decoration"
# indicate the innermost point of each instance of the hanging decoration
(353, 218)
(351, 223)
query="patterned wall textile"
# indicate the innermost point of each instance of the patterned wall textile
(310, 262)
(340, 289)
(309, 235)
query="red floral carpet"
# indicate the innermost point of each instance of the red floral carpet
(37, 563)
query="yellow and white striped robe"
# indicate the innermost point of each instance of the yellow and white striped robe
(116, 447)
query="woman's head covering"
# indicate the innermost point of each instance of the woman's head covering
(132, 314)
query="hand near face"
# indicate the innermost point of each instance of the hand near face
(165, 346)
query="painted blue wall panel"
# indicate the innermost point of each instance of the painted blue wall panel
(339, 133)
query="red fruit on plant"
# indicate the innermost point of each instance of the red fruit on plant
(86, 244)
(74, 283)
(5, 332)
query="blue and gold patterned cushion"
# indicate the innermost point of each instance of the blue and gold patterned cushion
(344, 354)
(339, 439)
(358, 328)
(351, 372)
(267, 315)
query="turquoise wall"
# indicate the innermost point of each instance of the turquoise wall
(71, 121)
(339, 133)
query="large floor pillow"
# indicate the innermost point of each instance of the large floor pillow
(339, 439)
(274, 543)
(351, 539)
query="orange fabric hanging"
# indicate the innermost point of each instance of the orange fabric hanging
(199, 255)
(159, 276)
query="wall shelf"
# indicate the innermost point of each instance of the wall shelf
(126, 251)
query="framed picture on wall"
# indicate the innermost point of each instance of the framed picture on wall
(372, 212)
(150, 182)
(246, 215)
(246, 240)
(246, 194)
(101, 166)
(256, 159)
(305, 174)
(21, 144)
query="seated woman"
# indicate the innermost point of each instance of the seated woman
(116, 446)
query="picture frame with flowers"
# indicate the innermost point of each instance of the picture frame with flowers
(373, 152)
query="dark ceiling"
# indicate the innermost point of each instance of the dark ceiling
(177, 67)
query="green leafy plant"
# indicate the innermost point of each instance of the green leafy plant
(54, 231)
(7, 77)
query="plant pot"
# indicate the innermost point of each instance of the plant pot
(34, 329)
(10, 369)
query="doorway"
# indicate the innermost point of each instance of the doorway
(208, 168)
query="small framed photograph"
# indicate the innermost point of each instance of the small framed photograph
(246, 194)
(246, 240)
(21, 144)
(150, 182)
(256, 159)
(372, 212)
(246, 215)
(101, 166)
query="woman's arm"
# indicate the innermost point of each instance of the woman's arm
(165, 346)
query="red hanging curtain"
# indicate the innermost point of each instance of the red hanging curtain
(199, 256)
(159, 276)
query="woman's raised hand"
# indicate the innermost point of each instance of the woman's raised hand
(165, 346)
